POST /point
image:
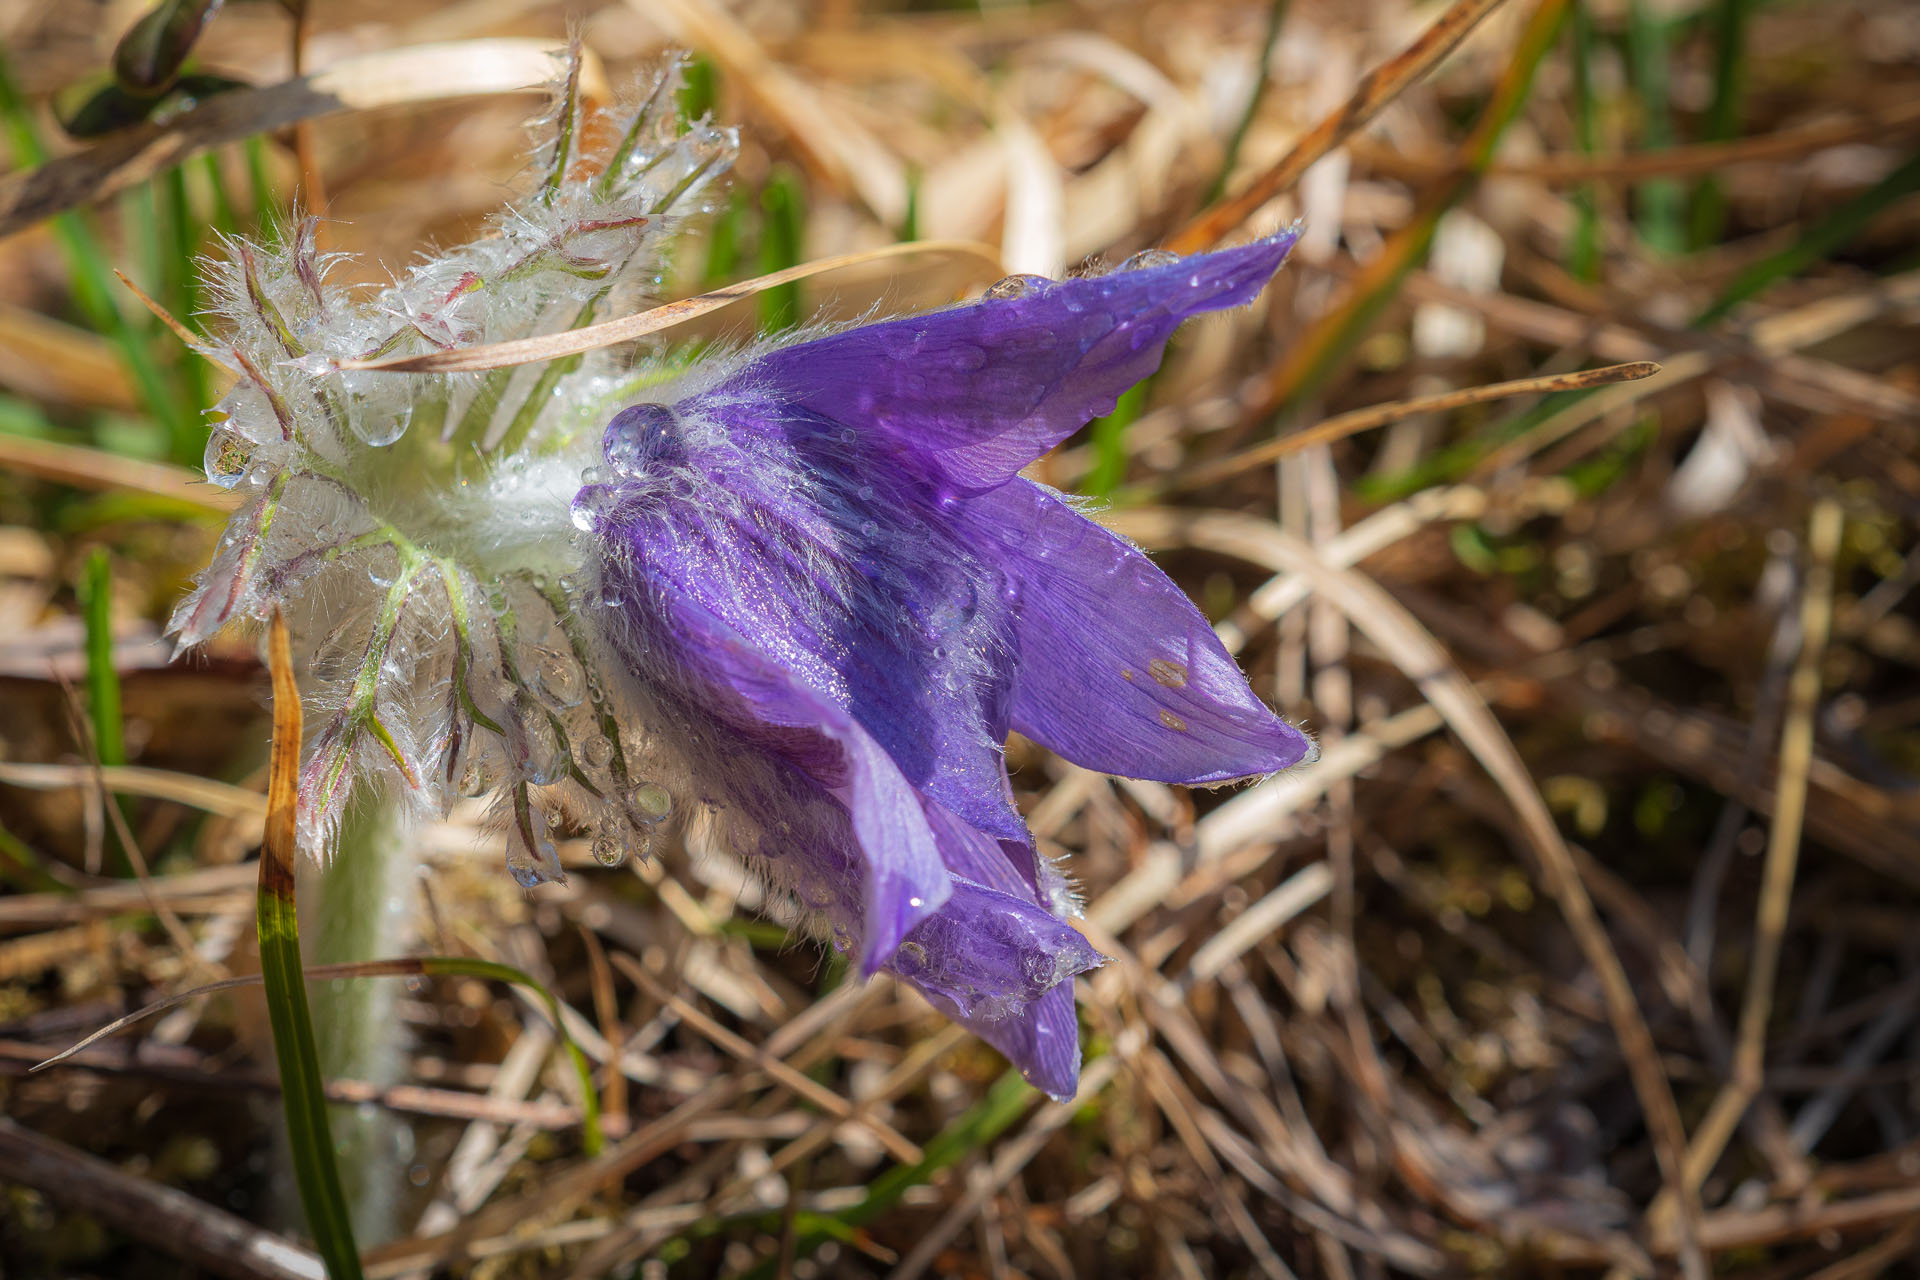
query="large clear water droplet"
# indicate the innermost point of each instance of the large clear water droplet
(538, 750)
(228, 453)
(640, 438)
(591, 506)
(561, 679)
(649, 803)
(609, 849)
(378, 407)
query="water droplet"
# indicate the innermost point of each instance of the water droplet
(561, 679)
(1059, 529)
(609, 850)
(226, 458)
(597, 751)
(473, 780)
(640, 438)
(868, 528)
(865, 493)
(913, 954)
(649, 803)
(591, 506)
(1148, 258)
(537, 747)
(538, 867)
(1015, 287)
(378, 407)
(916, 902)
(1313, 754)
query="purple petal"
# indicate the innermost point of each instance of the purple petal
(761, 694)
(1117, 670)
(1041, 1039)
(1003, 968)
(837, 564)
(980, 390)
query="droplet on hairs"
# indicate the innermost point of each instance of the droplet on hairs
(609, 850)
(561, 679)
(539, 752)
(648, 804)
(532, 867)
(1016, 286)
(225, 461)
(378, 407)
(591, 506)
(596, 750)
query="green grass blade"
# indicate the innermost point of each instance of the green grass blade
(103, 682)
(88, 274)
(592, 1137)
(1819, 241)
(1108, 439)
(1276, 19)
(1659, 202)
(1005, 1102)
(782, 233)
(1729, 20)
(302, 1096)
(1583, 253)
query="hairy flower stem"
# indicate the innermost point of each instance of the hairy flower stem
(353, 906)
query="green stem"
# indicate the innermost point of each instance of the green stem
(354, 908)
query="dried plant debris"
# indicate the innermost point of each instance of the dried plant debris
(1585, 946)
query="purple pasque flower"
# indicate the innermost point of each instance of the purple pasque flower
(832, 586)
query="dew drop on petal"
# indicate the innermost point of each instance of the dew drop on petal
(1148, 258)
(639, 437)
(1017, 286)
(1059, 529)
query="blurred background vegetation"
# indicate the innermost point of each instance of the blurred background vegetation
(1591, 946)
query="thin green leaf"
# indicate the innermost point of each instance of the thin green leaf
(782, 232)
(1005, 1102)
(1108, 439)
(1658, 201)
(1821, 240)
(302, 1095)
(88, 272)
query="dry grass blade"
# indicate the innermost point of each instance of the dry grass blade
(1380, 415)
(1376, 89)
(85, 468)
(204, 794)
(391, 77)
(1417, 654)
(501, 355)
(1783, 848)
